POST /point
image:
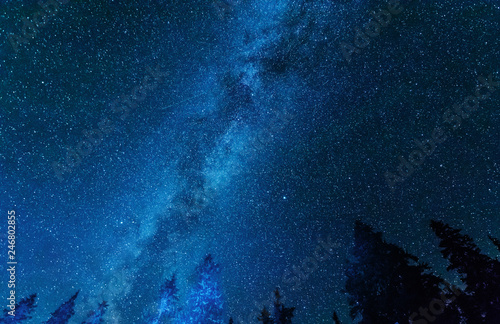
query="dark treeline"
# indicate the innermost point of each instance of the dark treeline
(384, 283)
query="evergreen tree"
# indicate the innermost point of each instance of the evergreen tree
(205, 303)
(95, 317)
(22, 312)
(231, 320)
(167, 306)
(481, 274)
(265, 317)
(336, 318)
(383, 286)
(282, 315)
(64, 312)
(495, 241)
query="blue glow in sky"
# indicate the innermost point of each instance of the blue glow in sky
(138, 137)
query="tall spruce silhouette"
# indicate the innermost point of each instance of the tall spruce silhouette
(265, 316)
(335, 318)
(481, 274)
(64, 312)
(205, 303)
(168, 307)
(96, 317)
(495, 241)
(22, 311)
(383, 286)
(281, 314)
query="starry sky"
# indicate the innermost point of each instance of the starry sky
(138, 136)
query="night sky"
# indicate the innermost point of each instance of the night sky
(136, 137)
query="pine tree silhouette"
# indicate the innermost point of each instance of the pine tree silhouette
(495, 241)
(205, 303)
(282, 315)
(481, 274)
(22, 312)
(336, 318)
(95, 317)
(383, 286)
(231, 320)
(265, 317)
(169, 296)
(64, 312)
(168, 305)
